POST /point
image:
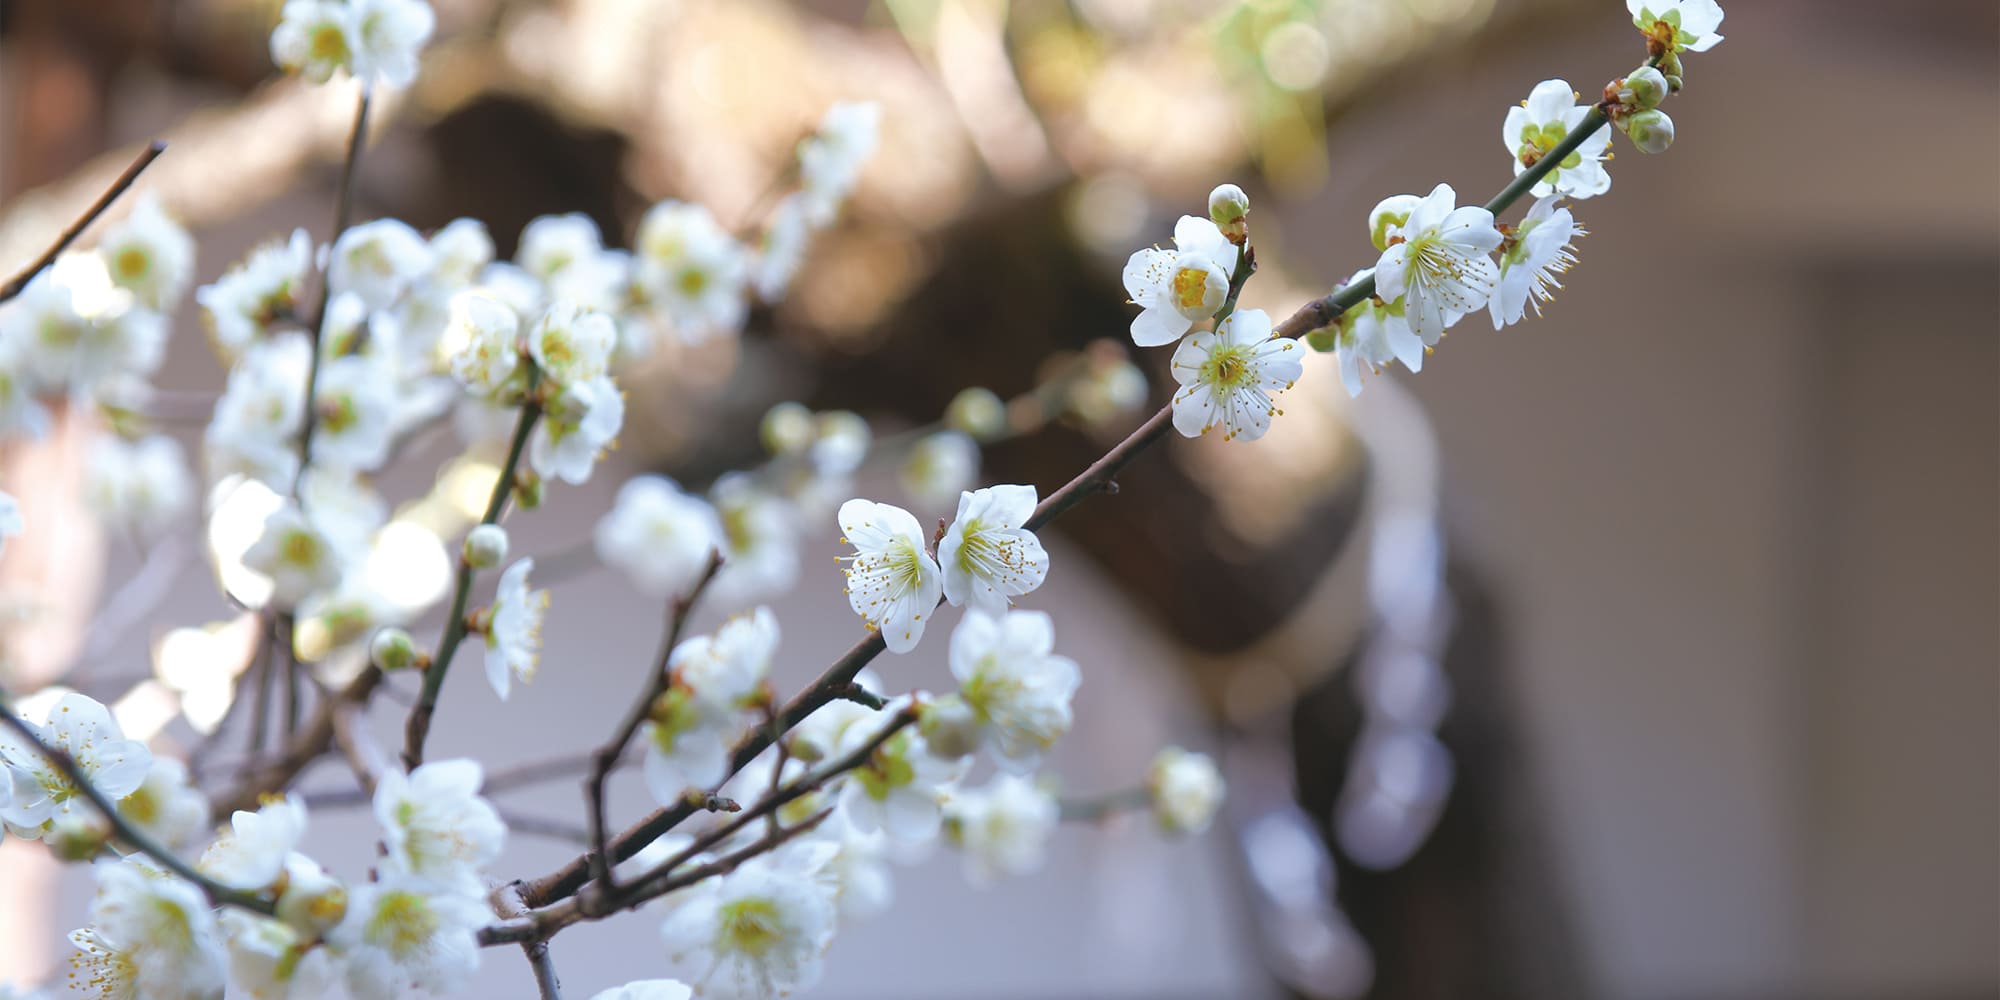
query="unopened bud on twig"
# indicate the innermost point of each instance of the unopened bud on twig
(485, 546)
(1229, 208)
(1650, 131)
(787, 429)
(392, 649)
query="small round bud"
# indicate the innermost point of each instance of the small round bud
(392, 649)
(949, 727)
(1643, 89)
(1185, 788)
(79, 836)
(1389, 214)
(787, 429)
(485, 546)
(1670, 67)
(842, 444)
(312, 902)
(1650, 131)
(1227, 204)
(977, 412)
(528, 489)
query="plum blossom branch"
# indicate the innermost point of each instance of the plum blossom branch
(68, 236)
(123, 829)
(606, 757)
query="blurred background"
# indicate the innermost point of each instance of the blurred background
(1647, 650)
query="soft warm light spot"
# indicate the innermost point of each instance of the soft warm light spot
(407, 566)
(236, 524)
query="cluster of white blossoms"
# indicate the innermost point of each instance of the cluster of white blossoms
(369, 39)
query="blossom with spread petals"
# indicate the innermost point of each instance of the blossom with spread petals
(759, 931)
(251, 854)
(892, 581)
(1684, 25)
(1227, 377)
(152, 934)
(660, 537)
(85, 730)
(1535, 127)
(1017, 688)
(987, 555)
(1530, 259)
(436, 826)
(514, 629)
(404, 933)
(1438, 261)
(1003, 828)
(579, 424)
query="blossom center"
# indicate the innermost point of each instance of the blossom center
(751, 926)
(1227, 369)
(1190, 288)
(403, 922)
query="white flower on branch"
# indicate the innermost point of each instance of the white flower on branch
(1227, 377)
(987, 557)
(900, 788)
(151, 934)
(378, 261)
(483, 341)
(726, 669)
(270, 960)
(514, 629)
(1538, 124)
(818, 736)
(166, 806)
(1014, 684)
(648, 989)
(1186, 790)
(404, 933)
(567, 254)
(357, 402)
(315, 38)
(939, 467)
(436, 826)
(251, 854)
(571, 344)
(1175, 289)
(830, 161)
(715, 679)
(300, 558)
(389, 34)
(892, 581)
(1530, 260)
(459, 251)
(149, 255)
(658, 536)
(243, 304)
(1438, 261)
(140, 487)
(83, 729)
(761, 542)
(759, 931)
(78, 329)
(1003, 828)
(580, 423)
(261, 409)
(1691, 25)
(1368, 335)
(688, 266)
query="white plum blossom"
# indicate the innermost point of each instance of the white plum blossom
(151, 936)
(900, 788)
(315, 38)
(484, 338)
(648, 989)
(435, 825)
(939, 467)
(571, 344)
(459, 251)
(378, 261)
(1227, 377)
(818, 736)
(141, 487)
(580, 423)
(1370, 334)
(830, 161)
(242, 305)
(1185, 788)
(658, 536)
(388, 34)
(77, 329)
(726, 668)
(271, 960)
(167, 806)
(1176, 288)
(841, 442)
(892, 581)
(567, 254)
(357, 400)
(261, 410)
(514, 629)
(1691, 25)
(1438, 262)
(759, 931)
(715, 678)
(1003, 828)
(859, 870)
(1015, 685)
(1535, 127)
(1530, 259)
(761, 542)
(690, 267)
(987, 557)
(251, 854)
(83, 729)
(403, 933)
(297, 554)
(149, 255)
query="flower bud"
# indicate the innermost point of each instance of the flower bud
(485, 546)
(1227, 204)
(949, 727)
(1643, 89)
(1650, 131)
(977, 412)
(1390, 213)
(842, 442)
(527, 488)
(312, 902)
(787, 429)
(1670, 67)
(79, 836)
(392, 649)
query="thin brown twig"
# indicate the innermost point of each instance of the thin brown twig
(111, 194)
(311, 741)
(657, 682)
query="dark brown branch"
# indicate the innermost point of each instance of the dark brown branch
(657, 682)
(306, 746)
(111, 194)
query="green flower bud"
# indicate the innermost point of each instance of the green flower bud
(1650, 131)
(1644, 89)
(977, 412)
(392, 649)
(1389, 213)
(485, 546)
(1227, 204)
(78, 836)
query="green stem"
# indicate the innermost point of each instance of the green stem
(419, 727)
